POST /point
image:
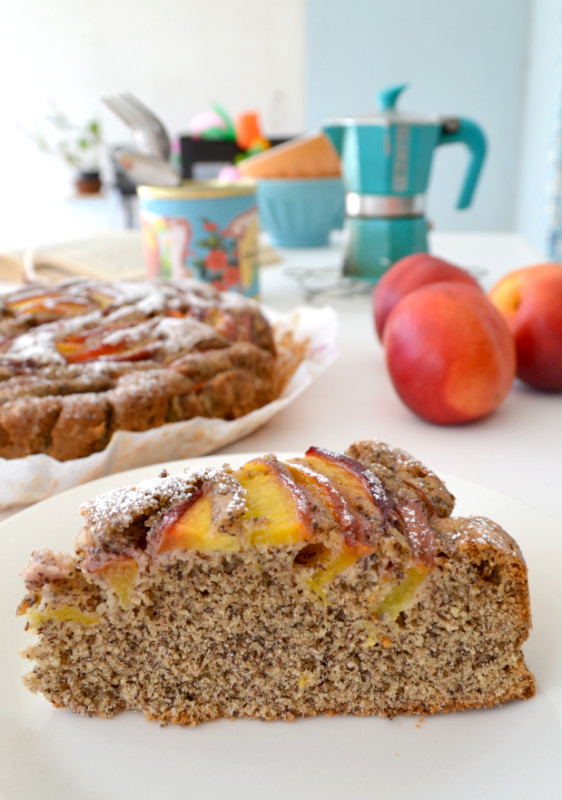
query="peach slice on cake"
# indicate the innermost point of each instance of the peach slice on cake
(190, 526)
(60, 613)
(281, 499)
(278, 509)
(119, 572)
(360, 489)
(335, 555)
(358, 484)
(277, 513)
(81, 348)
(78, 352)
(418, 531)
(354, 530)
(401, 595)
(49, 302)
(102, 300)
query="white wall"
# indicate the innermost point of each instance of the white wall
(493, 60)
(542, 100)
(461, 57)
(177, 55)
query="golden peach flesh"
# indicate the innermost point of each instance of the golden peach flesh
(401, 595)
(120, 574)
(194, 530)
(276, 507)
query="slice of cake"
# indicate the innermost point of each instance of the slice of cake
(333, 583)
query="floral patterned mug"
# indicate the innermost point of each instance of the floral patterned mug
(202, 229)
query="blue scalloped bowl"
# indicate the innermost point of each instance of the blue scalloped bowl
(300, 212)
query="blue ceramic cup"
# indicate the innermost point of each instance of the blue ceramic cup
(300, 212)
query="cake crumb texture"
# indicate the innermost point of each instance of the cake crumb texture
(329, 584)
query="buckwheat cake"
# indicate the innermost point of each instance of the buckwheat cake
(328, 584)
(84, 359)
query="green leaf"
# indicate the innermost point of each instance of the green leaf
(230, 132)
(214, 134)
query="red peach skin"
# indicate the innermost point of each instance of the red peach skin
(530, 299)
(450, 353)
(407, 275)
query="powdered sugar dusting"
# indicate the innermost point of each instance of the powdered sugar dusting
(378, 492)
(229, 495)
(71, 325)
(482, 531)
(121, 312)
(116, 510)
(419, 532)
(405, 461)
(37, 346)
(182, 335)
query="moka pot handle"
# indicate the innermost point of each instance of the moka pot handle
(464, 130)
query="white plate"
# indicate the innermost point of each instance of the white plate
(510, 752)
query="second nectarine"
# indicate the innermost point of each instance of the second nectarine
(531, 301)
(408, 274)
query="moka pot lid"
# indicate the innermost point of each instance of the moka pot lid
(387, 114)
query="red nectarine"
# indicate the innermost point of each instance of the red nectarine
(530, 299)
(450, 354)
(408, 274)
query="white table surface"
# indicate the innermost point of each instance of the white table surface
(517, 450)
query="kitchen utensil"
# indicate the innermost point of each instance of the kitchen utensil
(148, 131)
(386, 161)
(142, 168)
(155, 124)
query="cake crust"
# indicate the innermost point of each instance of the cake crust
(190, 621)
(98, 357)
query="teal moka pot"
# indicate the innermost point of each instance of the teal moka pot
(386, 163)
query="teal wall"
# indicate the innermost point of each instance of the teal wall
(543, 101)
(461, 58)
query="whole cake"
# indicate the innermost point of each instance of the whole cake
(333, 583)
(83, 359)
